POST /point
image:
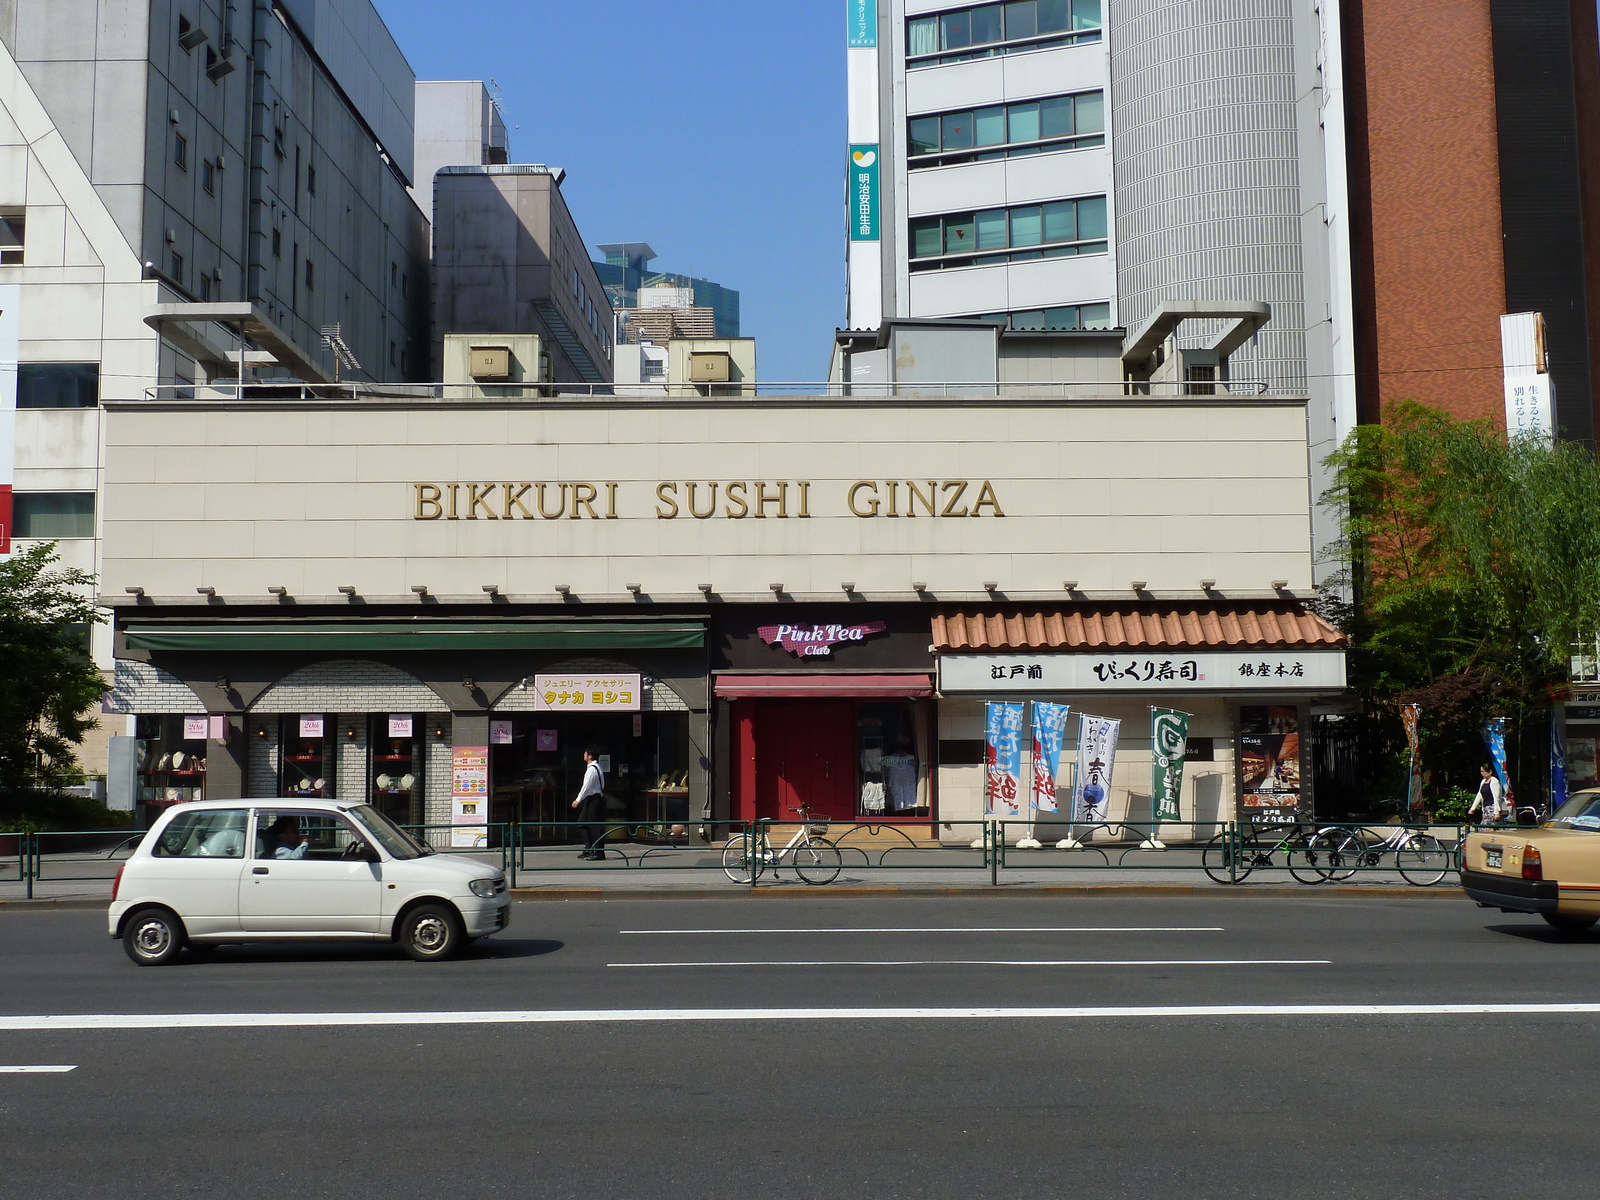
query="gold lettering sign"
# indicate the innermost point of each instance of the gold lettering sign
(776, 499)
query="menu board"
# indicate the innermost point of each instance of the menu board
(1270, 764)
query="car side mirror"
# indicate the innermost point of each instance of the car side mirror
(369, 853)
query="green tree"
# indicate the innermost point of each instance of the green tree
(1474, 561)
(48, 684)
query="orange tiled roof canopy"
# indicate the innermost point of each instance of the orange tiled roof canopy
(1118, 627)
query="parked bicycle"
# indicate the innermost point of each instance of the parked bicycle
(1421, 858)
(816, 860)
(1233, 854)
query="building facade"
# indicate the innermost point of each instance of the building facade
(626, 272)
(1080, 164)
(741, 615)
(189, 190)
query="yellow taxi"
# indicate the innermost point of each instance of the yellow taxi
(1552, 869)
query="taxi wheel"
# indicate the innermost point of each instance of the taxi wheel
(153, 937)
(431, 932)
(1569, 922)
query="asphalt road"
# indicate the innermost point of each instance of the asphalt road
(794, 1099)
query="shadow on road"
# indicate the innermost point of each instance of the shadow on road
(1544, 933)
(239, 955)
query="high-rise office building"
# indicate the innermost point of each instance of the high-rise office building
(626, 270)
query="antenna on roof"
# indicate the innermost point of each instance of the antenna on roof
(343, 356)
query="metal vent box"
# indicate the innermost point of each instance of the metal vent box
(708, 368)
(490, 363)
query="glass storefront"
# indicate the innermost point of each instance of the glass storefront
(536, 766)
(886, 744)
(171, 761)
(395, 768)
(308, 753)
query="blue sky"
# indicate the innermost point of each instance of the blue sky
(715, 133)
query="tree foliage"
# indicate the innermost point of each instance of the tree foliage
(48, 684)
(1475, 564)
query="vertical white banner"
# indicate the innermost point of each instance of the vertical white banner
(1097, 759)
(10, 300)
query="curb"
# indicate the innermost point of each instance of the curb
(1058, 891)
(65, 902)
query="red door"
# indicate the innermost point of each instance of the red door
(805, 755)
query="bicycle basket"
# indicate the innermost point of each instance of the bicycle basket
(817, 826)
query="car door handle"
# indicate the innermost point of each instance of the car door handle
(258, 870)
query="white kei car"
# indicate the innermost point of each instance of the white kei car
(297, 870)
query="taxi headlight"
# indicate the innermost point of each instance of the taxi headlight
(487, 888)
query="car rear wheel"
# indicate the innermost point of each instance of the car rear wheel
(431, 932)
(1569, 922)
(153, 937)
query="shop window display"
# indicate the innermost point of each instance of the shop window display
(307, 755)
(395, 770)
(536, 765)
(171, 757)
(886, 743)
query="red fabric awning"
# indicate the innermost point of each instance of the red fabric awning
(801, 686)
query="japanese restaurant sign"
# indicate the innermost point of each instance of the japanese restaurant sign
(1205, 671)
(1049, 732)
(1097, 760)
(587, 693)
(1003, 760)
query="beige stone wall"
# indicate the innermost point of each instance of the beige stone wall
(316, 496)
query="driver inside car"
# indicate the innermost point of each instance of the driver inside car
(286, 839)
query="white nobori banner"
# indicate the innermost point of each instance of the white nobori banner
(1161, 671)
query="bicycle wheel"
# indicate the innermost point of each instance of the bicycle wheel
(738, 859)
(1306, 859)
(817, 861)
(1422, 859)
(1340, 851)
(1220, 854)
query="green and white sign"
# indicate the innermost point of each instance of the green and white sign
(862, 19)
(864, 193)
(1169, 734)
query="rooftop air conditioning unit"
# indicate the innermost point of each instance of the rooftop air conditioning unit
(712, 367)
(490, 362)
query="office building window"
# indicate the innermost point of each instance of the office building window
(13, 235)
(990, 29)
(53, 514)
(58, 385)
(394, 274)
(311, 275)
(177, 268)
(1066, 317)
(203, 285)
(1059, 229)
(185, 34)
(392, 356)
(1008, 130)
(208, 176)
(277, 243)
(311, 180)
(405, 284)
(180, 151)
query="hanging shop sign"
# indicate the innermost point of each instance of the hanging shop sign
(1097, 761)
(1049, 732)
(587, 693)
(817, 641)
(864, 192)
(861, 17)
(1003, 760)
(1199, 672)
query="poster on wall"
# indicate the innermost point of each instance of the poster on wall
(1049, 732)
(195, 729)
(1269, 755)
(402, 726)
(500, 733)
(469, 796)
(1003, 759)
(10, 298)
(1097, 761)
(311, 727)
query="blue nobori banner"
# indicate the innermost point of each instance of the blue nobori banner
(864, 192)
(1003, 760)
(861, 17)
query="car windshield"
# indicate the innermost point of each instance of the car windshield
(390, 836)
(1582, 811)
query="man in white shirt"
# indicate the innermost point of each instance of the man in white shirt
(590, 805)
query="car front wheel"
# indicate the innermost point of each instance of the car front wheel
(430, 932)
(153, 937)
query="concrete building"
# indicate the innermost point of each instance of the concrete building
(458, 124)
(713, 590)
(508, 259)
(627, 277)
(687, 366)
(1084, 164)
(188, 188)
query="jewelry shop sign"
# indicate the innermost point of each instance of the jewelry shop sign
(1205, 671)
(586, 693)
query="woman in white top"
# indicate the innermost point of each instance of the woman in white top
(1491, 796)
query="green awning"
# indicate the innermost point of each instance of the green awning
(358, 636)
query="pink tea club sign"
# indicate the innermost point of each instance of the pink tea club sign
(816, 641)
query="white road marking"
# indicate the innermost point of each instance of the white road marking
(1001, 962)
(643, 1015)
(36, 1070)
(963, 929)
